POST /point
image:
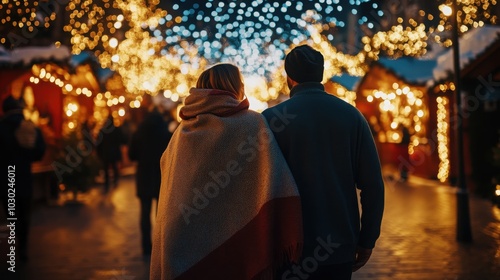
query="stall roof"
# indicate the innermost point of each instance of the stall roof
(347, 81)
(30, 55)
(412, 70)
(471, 44)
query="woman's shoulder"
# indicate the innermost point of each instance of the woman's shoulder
(251, 115)
(251, 118)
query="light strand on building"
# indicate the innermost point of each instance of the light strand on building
(443, 139)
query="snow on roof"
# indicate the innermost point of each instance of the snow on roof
(413, 70)
(347, 81)
(27, 55)
(434, 50)
(472, 44)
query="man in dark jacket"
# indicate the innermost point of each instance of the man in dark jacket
(21, 143)
(147, 146)
(330, 150)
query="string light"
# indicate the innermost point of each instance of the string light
(24, 18)
(255, 34)
(71, 110)
(471, 14)
(152, 50)
(91, 26)
(341, 92)
(442, 137)
(143, 65)
(397, 42)
(160, 44)
(401, 106)
(54, 74)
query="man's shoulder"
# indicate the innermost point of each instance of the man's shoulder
(316, 96)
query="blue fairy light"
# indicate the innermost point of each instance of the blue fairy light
(265, 28)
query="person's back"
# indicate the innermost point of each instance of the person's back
(112, 139)
(228, 205)
(147, 145)
(322, 144)
(330, 150)
(21, 143)
(14, 152)
(109, 150)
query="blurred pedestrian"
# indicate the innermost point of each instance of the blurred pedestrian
(147, 145)
(228, 206)
(109, 151)
(403, 153)
(21, 143)
(330, 150)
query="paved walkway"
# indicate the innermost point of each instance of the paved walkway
(100, 239)
(418, 239)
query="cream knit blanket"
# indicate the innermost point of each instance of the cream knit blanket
(228, 207)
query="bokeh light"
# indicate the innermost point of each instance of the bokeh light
(256, 34)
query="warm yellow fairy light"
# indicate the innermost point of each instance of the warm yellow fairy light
(442, 137)
(30, 17)
(175, 97)
(398, 41)
(446, 10)
(121, 112)
(471, 14)
(136, 58)
(57, 76)
(346, 95)
(400, 106)
(256, 90)
(113, 42)
(72, 114)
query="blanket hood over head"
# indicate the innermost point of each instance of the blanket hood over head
(229, 207)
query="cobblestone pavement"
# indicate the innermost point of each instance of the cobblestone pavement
(100, 238)
(418, 239)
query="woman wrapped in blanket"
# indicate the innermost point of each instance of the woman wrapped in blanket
(228, 207)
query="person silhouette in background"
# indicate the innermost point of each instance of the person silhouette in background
(21, 143)
(109, 151)
(403, 153)
(146, 147)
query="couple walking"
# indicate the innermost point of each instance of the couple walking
(273, 195)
